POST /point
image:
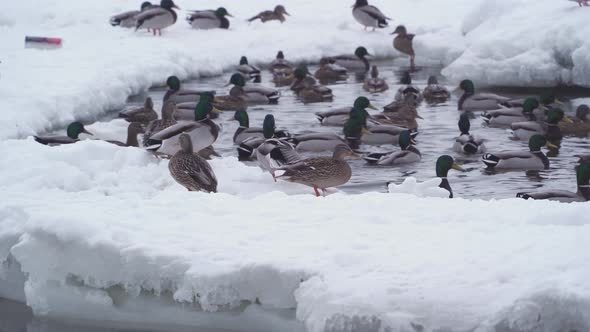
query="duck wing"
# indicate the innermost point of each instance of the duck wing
(374, 12)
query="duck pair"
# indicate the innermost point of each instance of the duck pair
(150, 17)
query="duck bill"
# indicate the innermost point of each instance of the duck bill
(175, 6)
(419, 117)
(567, 120)
(287, 14)
(230, 15)
(551, 145)
(215, 110)
(228, 84)
(372, 107)
(87, 132)
(456, 90)
(457, 167)
(353, 155)
(558, 102)
(365, 131)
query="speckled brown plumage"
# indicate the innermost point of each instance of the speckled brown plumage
(190, 170)
(167, 120)
(278, 14)
(143, 114)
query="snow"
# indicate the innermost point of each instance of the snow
(429, 188)
(96, 231)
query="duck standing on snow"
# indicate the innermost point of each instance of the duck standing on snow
(407, 154)
(356, 63)
(143, 114)
(157, 18)
(467, 143)
(282, 70)
(254, 94)
(209, 19)
(403, 42)
(190, 170)
(322, 172)
(330, 72)
(127, 19)
(435, 93)
(73, 131)
(369, 16)
(248, 71)
(582, 195)
(278, 14)
(375, 84)
(580, 125)
(532, 160)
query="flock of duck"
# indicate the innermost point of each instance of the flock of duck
(186, 131)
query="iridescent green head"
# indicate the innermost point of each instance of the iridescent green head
(467, 86)
(221, 12)
(547, 99)
(536, 142)
(405, 140)
(555, 115)
(444, 164)
(529, 105)
(583, 174)
(204, 106)
(243, 60)
(237, 79)
(173, 83)
(300, 73)
(242, 117)
(268, 126)
(75, 129)
(361, 103)
(361, 52)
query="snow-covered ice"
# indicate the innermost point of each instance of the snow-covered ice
(92, 229)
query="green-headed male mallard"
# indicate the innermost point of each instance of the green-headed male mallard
(178, 95)
(532, 160)
(505, 117)
(356, 62)
(338, 116)
(403, 43)
(73, 131)
(580, 125)
(582, 195)
(189, 170)
(278, 14)
(209, 19)
(127, 19)
(273, 152)
(157, 18)
(143, 114)
(472, 102)
(435, 93)
(369, 16)
(551, 130)
(407, 154)
(321, 172)
(375, 84)
(307, 89)
(254, 94)
(467, 143)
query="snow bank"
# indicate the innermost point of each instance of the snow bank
(105, 230)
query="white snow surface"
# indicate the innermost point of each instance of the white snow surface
(506, 42)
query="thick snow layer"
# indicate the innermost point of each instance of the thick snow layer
(95, 227)
(504, 42)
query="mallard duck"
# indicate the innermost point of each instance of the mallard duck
(278, 14)
(375, 134)
(73, 132)
(443, 165)
(369, 16)
(505, 117)
(407, 154)
(524, 130)
(435, 93)
(357, 62)
(472, 102)
(133, 130)
(316, 142)
(282, 70)
(467, 143)
(234, 101)
(127, 19)
(167, 120)
(408, 88)
(267, 159)
(582, 195)
(403, 43)
(249, 145)
(355, 127)
(209, 19)
(532, 160)
(338, 117)
(178, 95)
(190, 170)
(321, 172)
(330, 72)
(249, 71)
(307, 90)
(375, 84)
(400, 113)
(245, 132)
(143, 114)
(280, 63)
(580, 125)
(254, 94)
(203, 131)
(157, 18)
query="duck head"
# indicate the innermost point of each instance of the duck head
(583, 174)
(536, 142)
(361, 52)
(222, 12)
(545, 100)
(582, 112)
(464, 123)
(205, 106)
(280, 55)
(168, 4)
(444, 164)
(405, 140)
(243, 61)
(432, 80)
(281, 10)
(173, 83)
(300, 73)
(362, 103)
(149, 103)
(360, 3)
(237, 80)
(529, 105)
(268, 126)
(401, 30)
(555, 115)
(75, 129)
(467, 86)
(242, 117)
(186, 144)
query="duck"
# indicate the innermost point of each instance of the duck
(73, 132)
(582, 3)
(472, 102)
(444, 164)
(321, 172)
(330, 72)
(375, 84)
(267, 159)
(582, 195)
(403, 42)
(157, 18)
(338, 117)
(532, 160)
(356, 63)
(375, 134)
(407, 154)
(580, 125)
(551, 129)
(202, 130)
(127, 19)
(167, 120)
(369, 16)
(467, 143)
(209, 19)
(278, 14)
(408, 88)
(355, 127)
(235, 100)
(403, 113)
(316, 142)
(190, 170)
(248, 71)
(435, 93)
(143, 114)
(307, 89)
(254, 94)
(282, 70)
(178, 95)
(133, 130)
(505, 117)
(245, 132)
